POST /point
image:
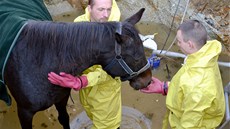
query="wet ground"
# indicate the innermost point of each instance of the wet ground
(151, 106)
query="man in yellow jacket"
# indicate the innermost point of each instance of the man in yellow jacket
(195, 97)
(100, 11)
(100, 94)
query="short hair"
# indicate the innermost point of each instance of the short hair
(193, 30)
(91, 2)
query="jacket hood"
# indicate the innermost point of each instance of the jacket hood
(206, 56)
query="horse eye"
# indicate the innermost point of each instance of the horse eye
(138, 61)
(131, 40)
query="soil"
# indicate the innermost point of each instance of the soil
(217, 16)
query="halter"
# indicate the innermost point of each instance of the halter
(118, 58)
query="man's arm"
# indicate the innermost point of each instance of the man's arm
(98, 76)
(194, 106)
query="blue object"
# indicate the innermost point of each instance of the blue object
(154, 61)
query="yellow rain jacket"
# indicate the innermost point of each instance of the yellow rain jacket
(195, 98)
(101, 98)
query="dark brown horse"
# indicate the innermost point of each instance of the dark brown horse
(45, 46)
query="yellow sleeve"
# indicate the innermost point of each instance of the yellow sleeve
(96, 76)
(194, 106)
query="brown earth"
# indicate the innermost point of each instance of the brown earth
(217, 16)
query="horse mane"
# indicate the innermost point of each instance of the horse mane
(70, 42)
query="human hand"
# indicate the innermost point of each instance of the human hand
(156, 86)
(67, 80)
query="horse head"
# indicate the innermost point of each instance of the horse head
(130, 55)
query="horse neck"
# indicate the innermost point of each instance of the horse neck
(74, 47)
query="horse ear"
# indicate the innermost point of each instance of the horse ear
(136, 17)
(120, 38)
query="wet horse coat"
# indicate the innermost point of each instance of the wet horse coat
(13, 16)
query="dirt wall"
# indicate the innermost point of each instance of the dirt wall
(213, 13)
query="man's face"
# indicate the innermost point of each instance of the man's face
(183, 45)
(100, 11)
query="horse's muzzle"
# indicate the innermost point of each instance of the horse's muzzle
(142, 80)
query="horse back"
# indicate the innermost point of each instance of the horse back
(26, 78)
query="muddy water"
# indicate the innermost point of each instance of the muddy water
(152, 106)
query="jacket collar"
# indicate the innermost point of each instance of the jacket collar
(206, 56)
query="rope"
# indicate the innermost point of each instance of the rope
(186, 7)
(81, 88)
(170, 27)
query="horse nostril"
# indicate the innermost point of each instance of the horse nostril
(149, 83)
(136, 88)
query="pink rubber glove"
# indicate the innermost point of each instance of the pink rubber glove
(156, 86)
(67, 80)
